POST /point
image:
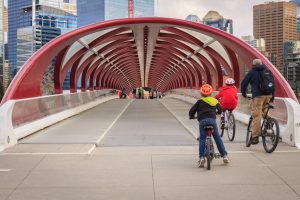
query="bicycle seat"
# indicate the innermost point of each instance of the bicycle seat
(208, 127)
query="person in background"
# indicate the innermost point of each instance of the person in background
(123, 93)
(134, 92)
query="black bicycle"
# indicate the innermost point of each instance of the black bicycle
(269, 131)
(228, 124)
(210, 150)
(209, 146)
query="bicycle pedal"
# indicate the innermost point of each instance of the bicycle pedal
(217, 155)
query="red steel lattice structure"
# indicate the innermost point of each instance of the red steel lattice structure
(161, 53)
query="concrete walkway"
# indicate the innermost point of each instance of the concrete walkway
(147, 123)
(143, 166)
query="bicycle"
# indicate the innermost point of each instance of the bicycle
(210, 150)
(269, 131)
(209, 146)
(228, 124)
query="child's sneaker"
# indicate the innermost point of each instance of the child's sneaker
(225, 159)
(201, 162)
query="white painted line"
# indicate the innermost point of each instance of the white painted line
(262, 151)
(113, 123)
(91, 149)
(5, 170)
(42, 153)
(178, 118)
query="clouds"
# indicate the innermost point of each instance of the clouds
(240, 11)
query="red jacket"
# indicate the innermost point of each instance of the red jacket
(228, 97)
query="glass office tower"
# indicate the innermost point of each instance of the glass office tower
(193, 18)
(214, 19)
(1, 41)
(92, 11)
(143, 8)
(49, 21)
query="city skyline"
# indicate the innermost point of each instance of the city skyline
(241, 12)
(91, 12)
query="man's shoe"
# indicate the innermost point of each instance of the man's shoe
(225, 159)
(254, 140)
(201, 162)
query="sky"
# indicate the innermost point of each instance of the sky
(240, 11)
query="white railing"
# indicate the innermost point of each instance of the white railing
(286, 111)
(20, 118)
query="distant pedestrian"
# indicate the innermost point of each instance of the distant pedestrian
(123, 94)
(140, 91)
(134, 92)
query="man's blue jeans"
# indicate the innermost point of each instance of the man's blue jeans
(218, 140)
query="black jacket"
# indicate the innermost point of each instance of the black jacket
(252, 78)
(205, 110)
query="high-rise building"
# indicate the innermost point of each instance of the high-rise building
(29, 32)
(214, 19)
(5, 61)
(291, 70)
(258, 44)
(297, 2)
(276, 23)
(92, 11)
(193, 18)
(2, 51)
(70, 7)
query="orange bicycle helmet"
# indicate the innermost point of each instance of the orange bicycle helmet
(206, 89)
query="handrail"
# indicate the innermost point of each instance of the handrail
(19, 118)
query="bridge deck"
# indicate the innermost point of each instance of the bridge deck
(146, 154)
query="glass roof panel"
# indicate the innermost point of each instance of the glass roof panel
(84, 41)
(220, 49)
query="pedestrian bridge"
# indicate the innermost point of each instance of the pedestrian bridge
(159, 53)
(88, 143)
(65, 116)
(112, 148)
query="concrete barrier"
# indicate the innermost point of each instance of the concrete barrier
(17, 120)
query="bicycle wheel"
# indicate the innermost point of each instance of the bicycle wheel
(249, 133)
(231, 127)
(270, 135)
(208, 153)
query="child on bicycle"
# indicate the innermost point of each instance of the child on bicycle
(228, 97)
(206, 109)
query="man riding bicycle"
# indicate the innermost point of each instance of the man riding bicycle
(227, 97)
(206, 112)
(260, 98)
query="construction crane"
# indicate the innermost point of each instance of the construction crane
(130, 8)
